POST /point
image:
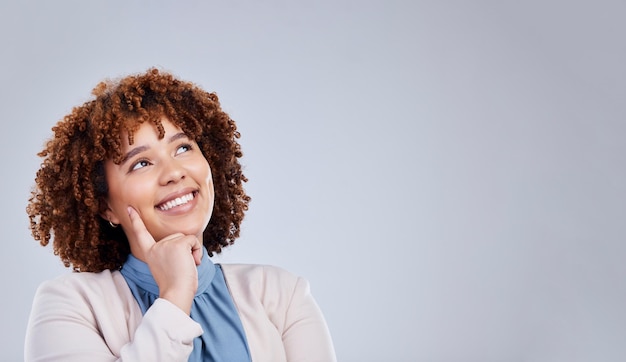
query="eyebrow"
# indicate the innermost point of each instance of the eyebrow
(139, 149)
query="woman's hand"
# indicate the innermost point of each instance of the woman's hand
(172, 262)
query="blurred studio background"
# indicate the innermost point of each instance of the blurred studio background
(449, 175)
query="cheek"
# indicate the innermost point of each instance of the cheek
(203, 171)
(138, 194)
(128, 193)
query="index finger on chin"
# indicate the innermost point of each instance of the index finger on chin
(141, 234)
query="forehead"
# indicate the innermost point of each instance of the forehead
(139, 132)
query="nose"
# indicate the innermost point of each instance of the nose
(171, 172)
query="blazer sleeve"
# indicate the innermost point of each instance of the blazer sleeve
(305, 335)
(74, 320)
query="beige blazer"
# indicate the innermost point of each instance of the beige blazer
(94, 317)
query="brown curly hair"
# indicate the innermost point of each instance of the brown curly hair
(70, 191)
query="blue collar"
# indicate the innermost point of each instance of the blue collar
(223, 338)
(139, 272)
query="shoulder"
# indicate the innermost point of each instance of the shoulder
(263, 294)
(256, 273)
(83, 283)
(84, 290)
(270, 285)
(274, 302)
(84, 299)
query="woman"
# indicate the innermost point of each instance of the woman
(137, 188)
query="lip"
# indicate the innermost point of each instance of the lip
(175, 195)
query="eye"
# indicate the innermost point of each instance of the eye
(139, 164)
(183, 148)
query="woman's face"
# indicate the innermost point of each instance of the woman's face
(168, 181)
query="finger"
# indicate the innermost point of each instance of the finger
(172, 237)
(197, 251)
(197, 257)
(141, 235)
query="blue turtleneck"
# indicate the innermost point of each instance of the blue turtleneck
(223, 337)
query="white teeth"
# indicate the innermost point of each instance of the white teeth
(177, 202)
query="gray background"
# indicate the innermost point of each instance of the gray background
(449, 175)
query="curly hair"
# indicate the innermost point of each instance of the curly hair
(70, 191)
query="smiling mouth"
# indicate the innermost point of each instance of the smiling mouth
(177, 201)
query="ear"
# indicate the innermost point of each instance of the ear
(107, 213)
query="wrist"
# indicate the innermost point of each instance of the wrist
(180, 299)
